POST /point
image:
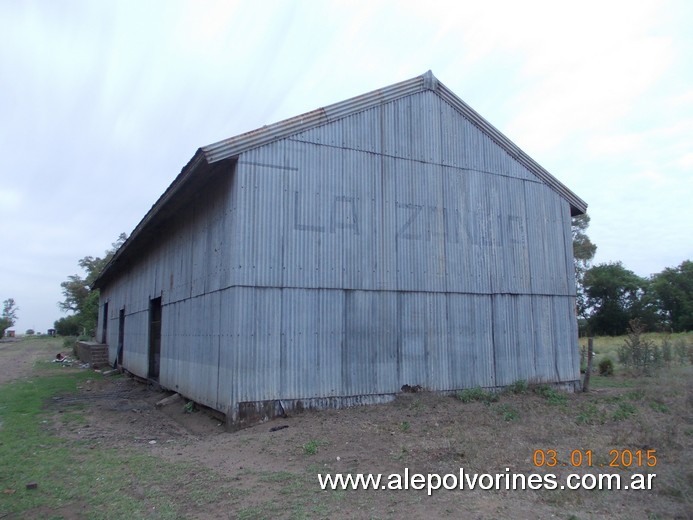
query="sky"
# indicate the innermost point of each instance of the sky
(103, 103)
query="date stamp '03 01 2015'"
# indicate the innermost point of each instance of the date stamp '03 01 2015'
(585, 458)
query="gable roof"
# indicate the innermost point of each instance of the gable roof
(202, 164)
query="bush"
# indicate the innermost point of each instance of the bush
(681, 350)
(606, 367)
(639, 354)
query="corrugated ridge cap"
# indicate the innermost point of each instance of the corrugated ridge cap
(515, 151)
(246, 141)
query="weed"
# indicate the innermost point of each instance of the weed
(476, 394)
(635, 395)
(189, 407)
(624, 411)
(507, 412)
(311, 447)
(549, 393)
(417, 405)
(659, 407)
(405, 426)
(606, 367)
(590, 414)
(518, 387)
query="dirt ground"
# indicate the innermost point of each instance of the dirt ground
(274, 475)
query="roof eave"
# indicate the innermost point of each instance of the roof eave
(170, 192)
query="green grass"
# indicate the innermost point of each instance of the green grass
(470, 395)
(68, 472)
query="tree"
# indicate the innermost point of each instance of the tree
(613, 298)
(673, 291)
(9, 315)
(583, 253)
(79, 297)
(68, 326)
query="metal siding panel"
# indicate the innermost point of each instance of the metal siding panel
(369, 361)
(566, 338)
(258, 335)
(467, 261)
(312, 339)
(508, 236)
(422, 329)
(227, 389)
(544, 334)
(136, 354)
(386, 215)
(470, 342)
(358, 221)
(512, 336)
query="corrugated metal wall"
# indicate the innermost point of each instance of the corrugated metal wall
(399, 245)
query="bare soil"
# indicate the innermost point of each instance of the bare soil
(273, 474)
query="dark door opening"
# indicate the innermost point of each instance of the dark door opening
(104, 328)
(154, 337)
(121, 336)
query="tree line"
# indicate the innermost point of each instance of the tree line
(609, 296)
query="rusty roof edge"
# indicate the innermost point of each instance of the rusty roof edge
(427, 81)
(255, 138)
(577, 204)
(173, 188)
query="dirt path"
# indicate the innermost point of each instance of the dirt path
(17, 357)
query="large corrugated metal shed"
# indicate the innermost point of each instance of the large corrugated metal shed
(394, 238)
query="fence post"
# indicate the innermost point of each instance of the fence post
(590, 353)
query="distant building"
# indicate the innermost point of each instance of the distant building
(395, 238)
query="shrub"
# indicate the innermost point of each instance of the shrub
(606, 367)
(681, 350)
(518, 387)
(667, 350)
(639, 354)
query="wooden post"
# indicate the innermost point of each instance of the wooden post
(590, 353)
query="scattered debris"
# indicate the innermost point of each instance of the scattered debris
(277, 428)
(32, 485)
(171, 399)
(152, 442)
(412, 389)
(109, 373)
(63, 359)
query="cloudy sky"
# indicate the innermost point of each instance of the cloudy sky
(103, 103)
